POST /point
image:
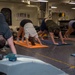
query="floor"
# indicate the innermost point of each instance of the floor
(59, 56)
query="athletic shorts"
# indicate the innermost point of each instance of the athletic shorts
(30, 30)
(52, 26)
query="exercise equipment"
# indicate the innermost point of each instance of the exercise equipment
(48, 42)
(60, 44)
(25, 45)
(26, 65)
(73, 54)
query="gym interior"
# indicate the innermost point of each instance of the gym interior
(50, 59)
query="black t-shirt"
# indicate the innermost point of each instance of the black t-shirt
(24, 21)
(4, 28)
(5, 31)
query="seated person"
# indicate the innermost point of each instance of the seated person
(6, 34)
(29, 30)
(71, 28)
(52, 28)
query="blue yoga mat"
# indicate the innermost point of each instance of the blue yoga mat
(48, 42)
(73, 54)
(60, 44)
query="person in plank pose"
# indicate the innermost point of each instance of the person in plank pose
(53, 28)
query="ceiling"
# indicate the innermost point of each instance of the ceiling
(58, 3)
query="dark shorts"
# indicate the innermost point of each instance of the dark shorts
(43, 28)
(53, 29)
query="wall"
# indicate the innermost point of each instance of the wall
(33, 11)
(20, 8)
(69, 13)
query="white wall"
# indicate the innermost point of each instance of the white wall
(20, 8)
(33, 11)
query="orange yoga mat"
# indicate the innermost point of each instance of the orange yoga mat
(25, 45)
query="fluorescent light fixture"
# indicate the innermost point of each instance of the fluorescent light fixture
(39, 0)
(23, 1)
(72, 8)
(71, 2)
(31, 5)
(42, 0)
(28, 2)
(53, 7)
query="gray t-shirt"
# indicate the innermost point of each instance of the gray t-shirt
(71, 22)
(4, 28)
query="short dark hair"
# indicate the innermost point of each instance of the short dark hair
(2, 43)
(73, 25)
(32, 40)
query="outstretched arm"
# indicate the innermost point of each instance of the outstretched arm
(52, 38)
(61, 37)
(68, 32)
(27, 42)
(39, 41)
(11, 44)
(19, 32)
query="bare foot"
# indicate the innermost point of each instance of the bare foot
(64, 43)
(42, 39)
(41, 44)
(29, 45)
(56, 43)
